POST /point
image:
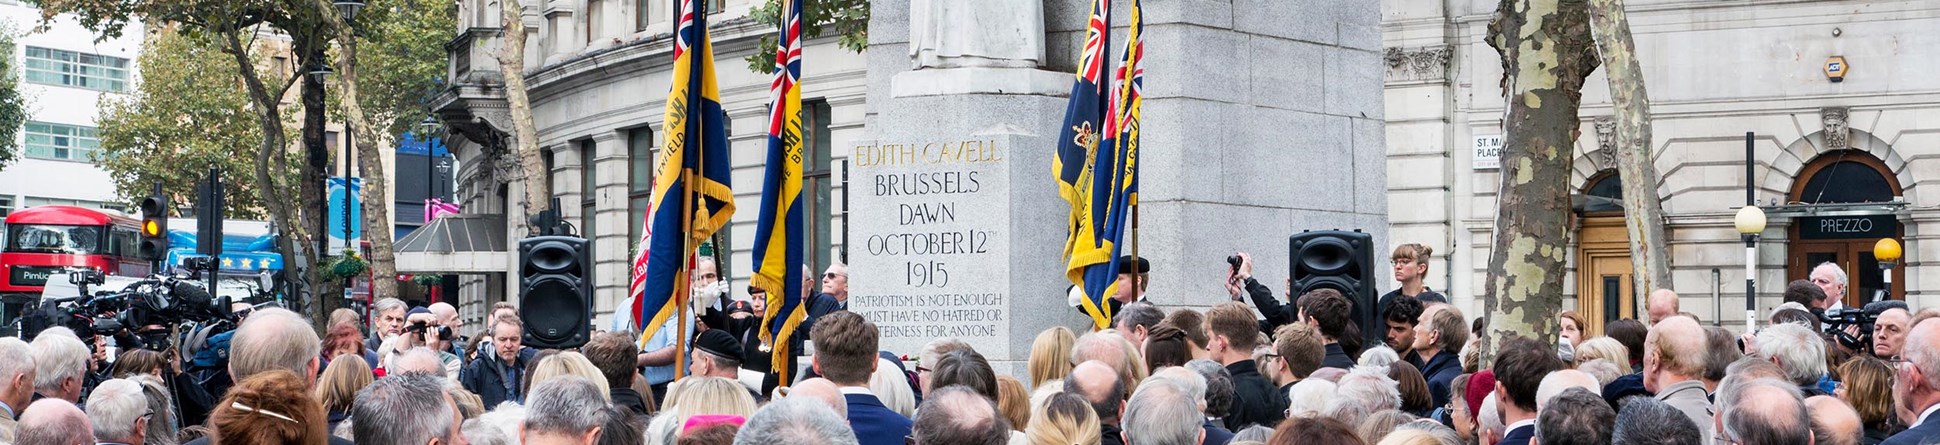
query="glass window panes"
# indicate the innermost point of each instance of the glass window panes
(76, 69)
(816, 180)
(61, 142)
(639, 146)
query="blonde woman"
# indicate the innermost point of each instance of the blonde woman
(1605, 348)
(569, 363)
(338, 385)
(693, 396)
(1050, 355)
(889, 384)
(1067, 419)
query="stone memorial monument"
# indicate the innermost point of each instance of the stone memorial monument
(958, 229)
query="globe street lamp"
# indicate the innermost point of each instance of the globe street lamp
(1751, 222)
(1887, 251)
(348, 8)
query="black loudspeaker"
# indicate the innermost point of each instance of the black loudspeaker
(555, 291)
(1342, 261)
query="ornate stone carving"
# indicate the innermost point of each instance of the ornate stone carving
(1838, 136)
(1606, 142)
(1428, 63)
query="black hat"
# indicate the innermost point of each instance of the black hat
(1131, 264)
(719, 342)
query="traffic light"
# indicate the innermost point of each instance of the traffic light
(209, 201)
(555, 291)
(154, 227)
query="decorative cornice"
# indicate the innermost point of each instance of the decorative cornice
(1419, 64)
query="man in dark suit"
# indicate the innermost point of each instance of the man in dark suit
(1914, 388)
(845, 353)
(1234, 335)
(1519, 370)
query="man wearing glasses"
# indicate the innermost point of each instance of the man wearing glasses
(1916, 385)
(118, 412)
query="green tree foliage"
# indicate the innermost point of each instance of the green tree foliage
(187, 114)
(847, 19)
(401, 59)
(13, 107)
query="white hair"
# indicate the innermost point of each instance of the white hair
(1379, 356)
(419, 359)
(565, 405)
(1490, 419)
(1163, 411)
(1838, 273)
(1309, 396)
(1362, 393)
(1189, 380)
(1799, 351)
(56, 359)
(889, 384)
(114, 407)
(795, 421)
(16, 358)
(1562, 380)
(506, 418)
(387, 304)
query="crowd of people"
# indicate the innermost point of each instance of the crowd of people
(1292, 371)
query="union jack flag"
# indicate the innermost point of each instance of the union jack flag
(778, 233)
(1085, 120)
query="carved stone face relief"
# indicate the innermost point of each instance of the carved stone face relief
(1838, 136)
(1606, 142)
(1429, 63)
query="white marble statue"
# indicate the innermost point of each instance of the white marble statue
(976, 33)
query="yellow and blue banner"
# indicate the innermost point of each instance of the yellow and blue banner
(1078, 142)
(691, 194)
(778, 233)
(1105, 186)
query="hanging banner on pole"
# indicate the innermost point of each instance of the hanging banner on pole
(342, 201)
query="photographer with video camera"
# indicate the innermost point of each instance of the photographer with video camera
(423, 329)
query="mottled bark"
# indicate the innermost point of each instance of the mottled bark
(376, 196)
(525, 137)
(1547, 49)
(267, 105)
(1643, 212)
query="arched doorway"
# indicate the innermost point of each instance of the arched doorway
(1845, 238)
(1603, 271)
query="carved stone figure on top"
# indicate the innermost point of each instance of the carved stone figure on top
(976, 33)
(1838, 136)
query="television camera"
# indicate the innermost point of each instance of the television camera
(145, 314)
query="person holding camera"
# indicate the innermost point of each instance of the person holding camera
(422, 328)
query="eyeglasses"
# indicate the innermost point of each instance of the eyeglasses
(710, 276)
(832, 275)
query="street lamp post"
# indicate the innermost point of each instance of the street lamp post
(1751, 222)
(1887, 251)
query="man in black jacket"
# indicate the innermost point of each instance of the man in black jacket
(495, 376)
(1325, 309)
(1234, 334)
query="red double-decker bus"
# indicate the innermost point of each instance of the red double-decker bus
(45, 240)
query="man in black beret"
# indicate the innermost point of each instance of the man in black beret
(1128, 267)
(717, 354)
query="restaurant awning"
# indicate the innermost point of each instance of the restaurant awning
(455, 244)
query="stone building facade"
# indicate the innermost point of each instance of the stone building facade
(1219, 113)
(1836, 163)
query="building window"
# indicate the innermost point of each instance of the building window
(639, 147)
(816, 180)
(6, 206)
(61, 142)
(80, 70)
(640, 14)
(588, 201)
(715, 6)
